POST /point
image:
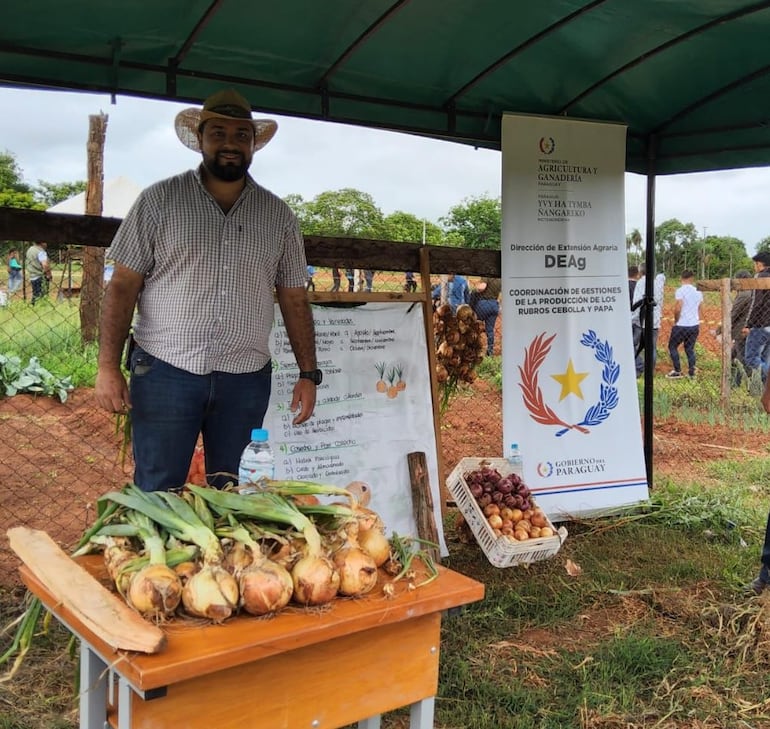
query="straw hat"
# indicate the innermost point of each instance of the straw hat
(226, 104)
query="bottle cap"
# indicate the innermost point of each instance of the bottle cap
(259, 434)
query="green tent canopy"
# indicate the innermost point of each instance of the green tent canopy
(690, 78)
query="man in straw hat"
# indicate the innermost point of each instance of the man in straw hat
(200, 255)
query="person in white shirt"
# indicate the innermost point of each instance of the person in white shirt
(686, 327)
(639, 315)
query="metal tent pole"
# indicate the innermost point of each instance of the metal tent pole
(649, 293)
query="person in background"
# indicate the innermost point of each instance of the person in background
(639, 316)
(738, 315)
(336, 279)
(207, 250)
(38, 269)
(633, 277)
(762, 580)
(14, 272)
(485, 301)
(310, 284)
(457, 291)
(410, 283)
(757, 328)
(686, 327)
(368, 279)
(350, 275)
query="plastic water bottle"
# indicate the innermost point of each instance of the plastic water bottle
(515, 460)
(257, 459)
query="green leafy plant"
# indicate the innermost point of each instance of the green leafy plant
(34, 378)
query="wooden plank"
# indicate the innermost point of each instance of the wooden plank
(735, 284)
(102, 612)
(91, 230)
(422, 501)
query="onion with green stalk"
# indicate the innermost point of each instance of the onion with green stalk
(314, 576)
(264, 586)
(366, 540)
(358, 571)
(154, 590)
(212, 592)
(370, 530)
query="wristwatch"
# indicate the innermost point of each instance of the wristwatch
(315, 376)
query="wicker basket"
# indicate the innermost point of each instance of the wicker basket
(501, 551)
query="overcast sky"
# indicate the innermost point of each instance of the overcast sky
(47, 133)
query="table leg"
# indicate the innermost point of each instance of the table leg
(93, 689)
(373, 722)
(124, 704)
(421, 714)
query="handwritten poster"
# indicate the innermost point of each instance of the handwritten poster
(373, 407)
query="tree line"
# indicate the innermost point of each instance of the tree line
(679, 247)
(473, 223)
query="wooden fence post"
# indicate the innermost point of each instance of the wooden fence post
(92, 286)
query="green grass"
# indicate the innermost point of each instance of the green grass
(632, 639)
(50, 331)
(653, 632)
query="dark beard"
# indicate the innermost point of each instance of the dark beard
(228, 172)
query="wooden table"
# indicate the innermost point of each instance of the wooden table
(316, 669)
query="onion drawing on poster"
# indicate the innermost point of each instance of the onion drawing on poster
(373, 407)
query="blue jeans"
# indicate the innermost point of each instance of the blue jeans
(758, 349)
(686, 336)
(14, 280)
(638, 333)
(171, 407)
(487, 310)
(37, 288)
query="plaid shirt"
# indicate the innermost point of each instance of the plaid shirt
(207, 302)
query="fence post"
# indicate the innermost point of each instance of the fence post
(93, 257)
(727, 340)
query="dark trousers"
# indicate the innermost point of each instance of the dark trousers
(171, 407)
(38, 288)
(638, 335)
(686, 336)
(487, 310)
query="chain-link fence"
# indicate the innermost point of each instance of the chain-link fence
(58, 450)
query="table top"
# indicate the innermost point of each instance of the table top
(196, 647)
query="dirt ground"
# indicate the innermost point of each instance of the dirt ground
(70, 452)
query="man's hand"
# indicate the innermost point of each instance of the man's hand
(111, 390)
(303, 399)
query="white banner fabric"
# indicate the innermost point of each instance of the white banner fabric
(569, 381)
(373, 408)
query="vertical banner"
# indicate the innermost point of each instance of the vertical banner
(569, 383)
(373, 408)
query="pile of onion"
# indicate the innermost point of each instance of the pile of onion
(507, 505)
(459, 348)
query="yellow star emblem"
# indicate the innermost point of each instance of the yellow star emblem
(570, 381)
